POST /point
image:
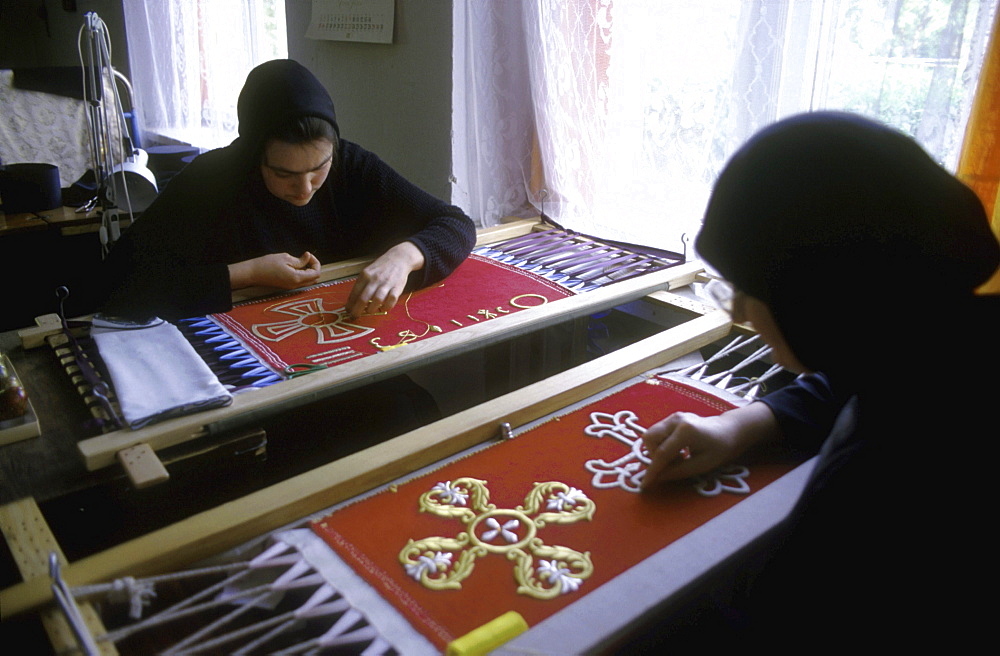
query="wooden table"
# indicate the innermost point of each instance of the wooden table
(67, 220)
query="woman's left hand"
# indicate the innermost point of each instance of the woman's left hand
(381, 283)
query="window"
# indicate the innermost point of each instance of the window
(635, 105)
(189, 59)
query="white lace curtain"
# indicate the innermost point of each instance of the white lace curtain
(189, 60)
(615, 117)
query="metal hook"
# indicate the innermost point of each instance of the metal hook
(67, 603)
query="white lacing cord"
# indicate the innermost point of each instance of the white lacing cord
(696, 371)
(224, 633)
(723, 378)
(184, 607)
(139, 592)
(747, 387)
(752, 387)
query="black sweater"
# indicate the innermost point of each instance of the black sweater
(172, 262)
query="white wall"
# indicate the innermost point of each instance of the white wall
(393, 99)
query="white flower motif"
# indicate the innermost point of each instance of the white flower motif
(506, 531)
(730, 479)
(622, 426)
(451, 495)
(627, 471)
(439, 563)
(554, 574)
(564, 500)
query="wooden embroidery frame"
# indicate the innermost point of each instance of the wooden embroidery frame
(229, 525)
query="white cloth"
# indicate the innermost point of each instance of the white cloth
(156, 373)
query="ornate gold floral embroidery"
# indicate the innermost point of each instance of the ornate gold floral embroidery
(442, 563)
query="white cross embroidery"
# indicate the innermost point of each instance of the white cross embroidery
(330, 325)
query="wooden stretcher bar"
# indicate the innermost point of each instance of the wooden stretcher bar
(104, 450)
(237, 522)
(338, 270)
(50, 324)
(101, 451)
(30, 542)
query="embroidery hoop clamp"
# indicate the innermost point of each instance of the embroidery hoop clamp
(302, 368)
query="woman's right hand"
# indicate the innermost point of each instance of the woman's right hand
(684, 444)
(279, 270)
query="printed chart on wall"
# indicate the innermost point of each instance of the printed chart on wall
(367, 21)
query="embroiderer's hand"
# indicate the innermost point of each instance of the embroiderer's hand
(685, 445)
(381, 283)
(279, 270)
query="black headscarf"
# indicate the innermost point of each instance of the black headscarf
(275, 93)
(844, 227)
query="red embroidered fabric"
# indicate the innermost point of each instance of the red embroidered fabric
(625, 528)
(311, 327)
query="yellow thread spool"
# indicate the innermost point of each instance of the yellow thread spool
(489, 636)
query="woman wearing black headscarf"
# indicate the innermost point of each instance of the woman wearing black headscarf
(856, 257)
(287, 194)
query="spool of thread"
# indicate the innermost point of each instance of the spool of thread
(30, 187)
(489, 636)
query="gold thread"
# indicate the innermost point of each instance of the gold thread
(323, 317)
(407, 336)
(513, 301)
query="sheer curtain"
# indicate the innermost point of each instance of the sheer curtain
(979, 164)
(189, 59)
(615, 117)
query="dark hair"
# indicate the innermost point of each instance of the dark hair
(305, 129)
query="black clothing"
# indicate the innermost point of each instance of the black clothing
(887, 545)
(172, 262)
(816, 217)
(806, 410)
(818, 207)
